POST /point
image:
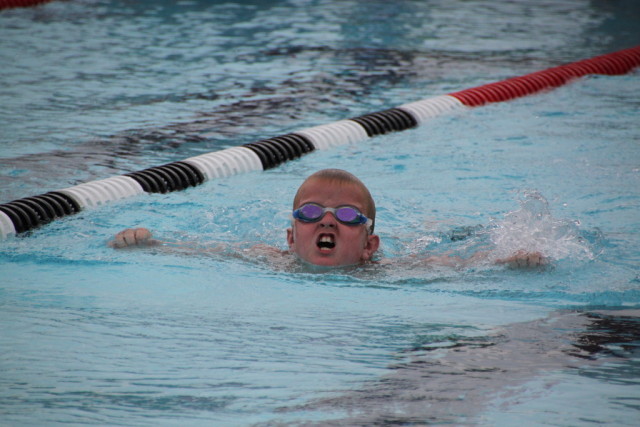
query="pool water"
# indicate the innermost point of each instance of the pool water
(91, 335)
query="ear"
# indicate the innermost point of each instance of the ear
(290, 239)
(371, 246)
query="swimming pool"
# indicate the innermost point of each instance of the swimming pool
(96, 336)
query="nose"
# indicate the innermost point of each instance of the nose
(329, 220)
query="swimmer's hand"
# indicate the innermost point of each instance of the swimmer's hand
(523, 260)
(133, 237)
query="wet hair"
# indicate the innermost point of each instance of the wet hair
(342, 177)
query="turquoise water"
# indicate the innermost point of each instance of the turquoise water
(91, 335)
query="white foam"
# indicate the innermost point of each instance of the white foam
(532, 228)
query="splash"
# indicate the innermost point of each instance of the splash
(532, 228)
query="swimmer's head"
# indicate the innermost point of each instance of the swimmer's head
(341, 178)
(330, 241)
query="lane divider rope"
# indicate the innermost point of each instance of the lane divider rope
(28, 213)
(7, 4)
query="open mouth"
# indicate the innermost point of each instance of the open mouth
(326, 242)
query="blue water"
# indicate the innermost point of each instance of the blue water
(91, 89)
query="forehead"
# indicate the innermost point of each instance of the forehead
(331, 193)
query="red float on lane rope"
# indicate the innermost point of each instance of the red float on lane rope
(611, 64)
(7, 4)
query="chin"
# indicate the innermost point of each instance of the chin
(331, 262)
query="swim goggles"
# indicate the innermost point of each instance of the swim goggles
(311, 212)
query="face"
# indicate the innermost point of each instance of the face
(341, 244)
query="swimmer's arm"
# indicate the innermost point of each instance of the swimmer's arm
(522, 260)
(519, 260)
(444, 261)
(263, 251)
(142, 237)
(132, 237)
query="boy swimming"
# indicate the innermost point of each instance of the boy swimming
(332, 225)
